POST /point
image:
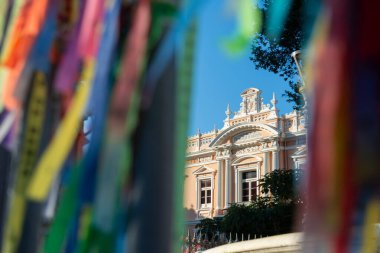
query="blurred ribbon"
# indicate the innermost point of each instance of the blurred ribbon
(249, 21)
(277, 15)
(53, 158)
(28, 156)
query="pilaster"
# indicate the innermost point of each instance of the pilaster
(275, 160)
(266, 162)
(227, 182)
(219, 194)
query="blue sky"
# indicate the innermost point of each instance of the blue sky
(219, 78)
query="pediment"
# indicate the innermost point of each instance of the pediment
(300, 153)
(203, 170)
(247, 159)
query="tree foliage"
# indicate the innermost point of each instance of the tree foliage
(274, 54)
(262, 217)
(269, 215)
(281, 185)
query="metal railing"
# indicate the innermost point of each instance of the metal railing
(200, 242)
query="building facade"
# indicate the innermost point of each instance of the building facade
(223, 166)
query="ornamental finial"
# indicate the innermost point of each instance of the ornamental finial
(228, 111)
(274, 101)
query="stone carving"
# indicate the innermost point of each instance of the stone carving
(224, 152)
(248, 150)
(258, 147)
(246, 136)
(205, 159)
(265, 107)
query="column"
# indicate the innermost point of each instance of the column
(197, 191)
(219, 197)
(275, 160)
(236, 185)
(266, 162)
(227, 183)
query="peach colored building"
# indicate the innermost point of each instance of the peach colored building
(223, 166)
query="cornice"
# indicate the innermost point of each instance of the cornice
(200, 164)
(295, 134)
(200, 153)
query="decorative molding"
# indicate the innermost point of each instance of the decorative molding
(245, 136)
(200, 153)
(223, 153)
(200, 177)
(273, 114)
(238, 179)
(205, 159)
(258, 146)
(203, 170)
(242, 158)
(301, 153)
(204, 213)
(293, 134)
(247, 150)
(199, 164)
(231, 131)
(292, 147)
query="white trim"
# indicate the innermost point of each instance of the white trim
(266, 162)
(198, 186)
(238, 173)
(199, 164)
(302, 152)
(241, 158)
(275, 160)
(292, 147)
(203, 170)
(294, 134)
(191, 154)
(299, 162)
(227, 183)
(299, 157)
(197, 193)
(293, 242)
(219, 197)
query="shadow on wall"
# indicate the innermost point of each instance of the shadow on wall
(190, 213)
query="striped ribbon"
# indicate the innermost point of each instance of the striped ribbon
(35, 115)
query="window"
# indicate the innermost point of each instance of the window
(249, 186)
(205, 192)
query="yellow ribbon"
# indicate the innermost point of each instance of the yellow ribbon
(372, 216)
(57, 151)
